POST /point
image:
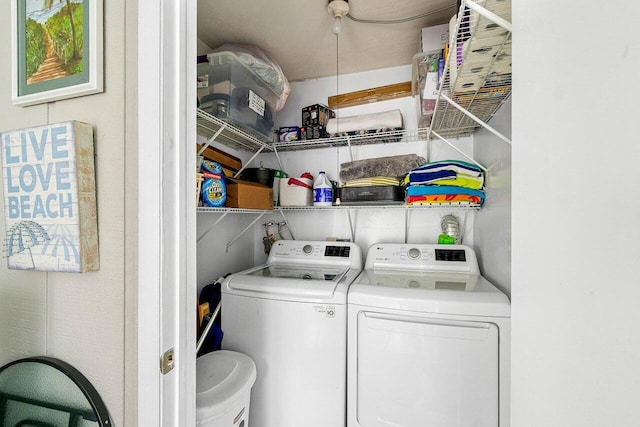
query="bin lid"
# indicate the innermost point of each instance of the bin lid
(221, 378)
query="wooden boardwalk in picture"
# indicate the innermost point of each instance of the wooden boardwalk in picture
(51, 68)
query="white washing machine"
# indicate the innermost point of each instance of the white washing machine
(290, 317)
(428, 340)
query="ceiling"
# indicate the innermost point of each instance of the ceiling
(297, 33)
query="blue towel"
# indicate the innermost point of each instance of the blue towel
(457, 165)
(419, 176)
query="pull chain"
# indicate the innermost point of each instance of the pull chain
(337, 82)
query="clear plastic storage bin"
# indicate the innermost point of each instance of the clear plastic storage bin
(231, 90)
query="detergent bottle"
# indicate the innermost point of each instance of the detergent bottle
(322, 191)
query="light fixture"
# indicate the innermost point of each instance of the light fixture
(338, 9)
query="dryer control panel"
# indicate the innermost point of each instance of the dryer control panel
(422, 257)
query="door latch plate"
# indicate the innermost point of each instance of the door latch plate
(166, 361)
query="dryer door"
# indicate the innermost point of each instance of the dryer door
(421, 371)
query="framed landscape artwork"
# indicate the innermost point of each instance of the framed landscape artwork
(56, 50)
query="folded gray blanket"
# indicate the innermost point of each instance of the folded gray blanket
(380, 166)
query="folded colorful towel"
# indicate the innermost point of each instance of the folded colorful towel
(418, 176)
(439, 199)
(476, 183)
(425, 190)
(457, 165)
(447, 172)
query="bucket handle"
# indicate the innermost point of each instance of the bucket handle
(294, 181)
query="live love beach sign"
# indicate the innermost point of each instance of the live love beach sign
(49, 198)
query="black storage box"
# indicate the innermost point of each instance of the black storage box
(377, 194)
(314, 121)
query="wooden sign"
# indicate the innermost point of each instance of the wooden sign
(367, 96)
(49, 198)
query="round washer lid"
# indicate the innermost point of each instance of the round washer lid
(221, 378)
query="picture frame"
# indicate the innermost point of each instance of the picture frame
(69, 64)
(49, 188)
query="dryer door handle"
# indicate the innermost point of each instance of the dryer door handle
(429, 326)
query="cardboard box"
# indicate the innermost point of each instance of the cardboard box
(434, 38)
(289, 133)
(317, 114)
(314, 121)
(315, 132)
(225, 159)
(248, 195)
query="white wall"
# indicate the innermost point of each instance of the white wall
(81, 318)
(213, 259)
(575, 287)
(493, 222)
(317, 91)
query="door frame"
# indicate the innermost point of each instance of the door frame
(166, 237)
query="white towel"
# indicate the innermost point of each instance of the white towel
(374, 121)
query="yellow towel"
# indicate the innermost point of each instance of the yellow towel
(465, 181)
(374, 180)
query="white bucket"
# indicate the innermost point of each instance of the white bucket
(223, 389)
(296, 192)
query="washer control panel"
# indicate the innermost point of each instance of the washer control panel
(422, 256)
(293, 251)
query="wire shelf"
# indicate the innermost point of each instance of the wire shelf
(227, 133)
(338, 208)
(372, 205)
(386, 137)
(202, 209)
(233, 136)
(477, 75)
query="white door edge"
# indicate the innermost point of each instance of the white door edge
(166, 211)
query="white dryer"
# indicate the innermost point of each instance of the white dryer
(290, 317)
(428, 340)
